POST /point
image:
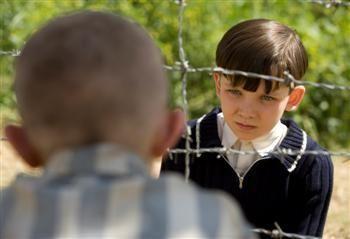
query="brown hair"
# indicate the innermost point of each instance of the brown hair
(261, 46)
(90, 77)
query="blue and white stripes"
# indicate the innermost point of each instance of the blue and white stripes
(103, 191)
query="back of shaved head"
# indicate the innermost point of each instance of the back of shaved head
(90, 77)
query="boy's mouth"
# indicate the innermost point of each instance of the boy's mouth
(245, 126)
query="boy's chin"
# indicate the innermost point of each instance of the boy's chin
(246, 135)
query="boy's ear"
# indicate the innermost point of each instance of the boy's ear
(18, 138)
(295, 98)
(216, 77)
(169, 133)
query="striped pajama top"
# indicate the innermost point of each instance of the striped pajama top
(104, 191)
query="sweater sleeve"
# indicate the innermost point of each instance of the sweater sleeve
(310, 192)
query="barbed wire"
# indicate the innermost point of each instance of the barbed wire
(331, 3)
(278, 152)
(289, 78)
(184, 67)
(223, 150)
(278, 233)
(183, 64)
(10, 53)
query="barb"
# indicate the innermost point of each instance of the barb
(278, 233)
(319, 85)
(281, 151)
(331, 3)
(10, 53)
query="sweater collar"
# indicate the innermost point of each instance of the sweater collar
(294, 140)
(208, 130)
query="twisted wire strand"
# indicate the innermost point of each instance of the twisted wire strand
(279, 152)
(289, 78)
(9, 53)
(183, 64)
(331, 3)
(278, 233)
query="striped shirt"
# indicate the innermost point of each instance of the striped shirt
(103, 191)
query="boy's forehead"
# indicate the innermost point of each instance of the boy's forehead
(229, 83)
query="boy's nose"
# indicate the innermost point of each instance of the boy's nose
(246, 110)
(246, 114)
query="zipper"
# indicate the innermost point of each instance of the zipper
(240, 182)
(241, 177)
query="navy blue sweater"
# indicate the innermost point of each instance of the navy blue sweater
(293, 191)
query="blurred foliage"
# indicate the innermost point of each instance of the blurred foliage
(324, 114)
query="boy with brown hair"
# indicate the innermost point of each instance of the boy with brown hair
(92, 94)
(292, 190)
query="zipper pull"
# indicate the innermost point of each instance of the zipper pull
(241, 182)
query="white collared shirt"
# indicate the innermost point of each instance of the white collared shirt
(262, 145)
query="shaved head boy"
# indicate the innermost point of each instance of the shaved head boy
(92, 94)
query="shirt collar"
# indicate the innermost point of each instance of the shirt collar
(105, 159)
(271, 140)
(262, 145)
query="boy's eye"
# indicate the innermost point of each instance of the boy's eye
(234, 92)
(267, 98)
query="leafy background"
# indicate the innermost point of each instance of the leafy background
(324, 114)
